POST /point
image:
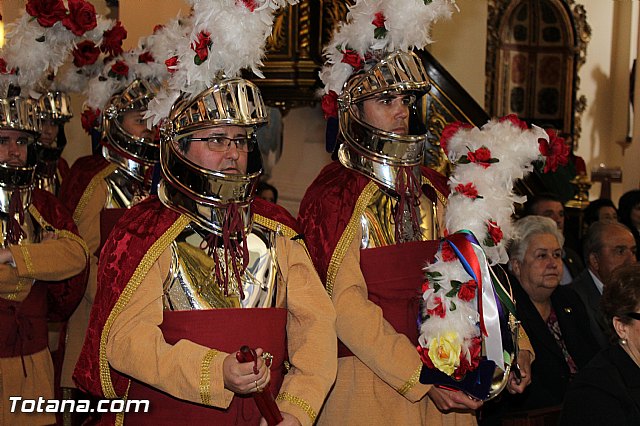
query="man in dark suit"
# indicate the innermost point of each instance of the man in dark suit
(549, 205)
(606, 247)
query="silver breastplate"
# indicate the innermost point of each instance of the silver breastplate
(191, 282)
(124, 191)
(378, 226)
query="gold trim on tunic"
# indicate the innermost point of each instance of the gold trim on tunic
(136, 279)
(205, 377)
(304, 405)
(88, 192)
(349, 234)
(411, 383)
(60, 232)
(27, 260)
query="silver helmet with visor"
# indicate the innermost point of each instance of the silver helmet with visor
(198, 192)
(136, 155)
(18, 114)
(54, 107)
(372, 151)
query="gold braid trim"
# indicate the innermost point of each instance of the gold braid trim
(279, 228)
(304, 405)
(27, 260)
(411, 383)
(60, 232)
(19, 287)
(88, 192)
(205, 377)
(120, 415)
(440, 196)
(134, 282)
(349, 234)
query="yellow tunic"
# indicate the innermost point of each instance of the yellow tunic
(50, 260)
(379, 385)
(136, 347)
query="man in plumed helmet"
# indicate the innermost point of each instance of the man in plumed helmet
(100, 187)
(40, 253)
(55, 111)
(189, 277)
(371, 218)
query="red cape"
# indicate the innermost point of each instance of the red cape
(78, 179)
(329, 203)
(130, 247)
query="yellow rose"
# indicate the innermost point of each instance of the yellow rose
(444, 351)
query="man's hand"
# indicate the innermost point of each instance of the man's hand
(240, 378)
(524, 362)
(447, 400)
(287, 420)
(6, 256)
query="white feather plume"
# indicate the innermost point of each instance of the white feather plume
(407, 23)
(238, 36)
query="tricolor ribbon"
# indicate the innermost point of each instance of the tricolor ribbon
(474, 262)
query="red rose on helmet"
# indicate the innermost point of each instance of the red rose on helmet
(249, 4)
(85, 53)
(481, 156)
(201, 47)
(515, 121)
(330, 105)
(379, 20)
(171, 64)
(450, 130)
(468, 190)
(351, 57)
(120, 68)
(495, 233)
(467, 290)
(556, 151)
(47, 12)
(89, 119)
(439, 309)
(112, 40)
(81, 17)
(145, 58)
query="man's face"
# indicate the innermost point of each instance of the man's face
(49, 132)
(388, 112)
(210, 155)
(618, 248)
(541, 268)
(13, 147)
(551, 209)
(133, 122)
(607, 214)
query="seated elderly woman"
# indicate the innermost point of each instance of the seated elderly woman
(553, 317)
(607, 390)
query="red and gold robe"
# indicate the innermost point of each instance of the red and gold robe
(126, 334)
(46, 283)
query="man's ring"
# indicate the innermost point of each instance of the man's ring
(256, 383)
(268, 358)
